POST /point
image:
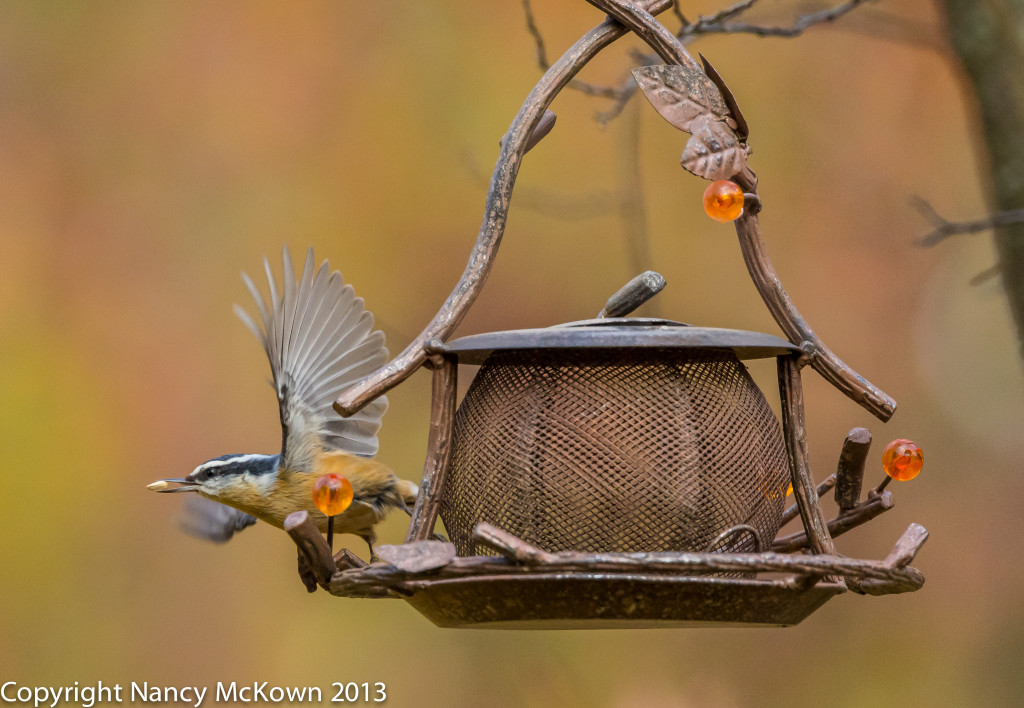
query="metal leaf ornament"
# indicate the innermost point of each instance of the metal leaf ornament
(689, 100)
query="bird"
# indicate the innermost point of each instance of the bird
(320, 339)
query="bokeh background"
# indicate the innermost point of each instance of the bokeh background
(151, 151)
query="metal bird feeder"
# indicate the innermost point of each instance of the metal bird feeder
(616, 436)
(623, 472)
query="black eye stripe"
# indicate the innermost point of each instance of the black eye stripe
(229, 465)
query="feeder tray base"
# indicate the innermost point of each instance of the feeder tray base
(603, 601)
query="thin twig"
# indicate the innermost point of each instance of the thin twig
(722, 15)
(679, 13)
(538, 38)
(793, 511)
(845, 521)
(715, 24)
(587, 89)
(943, 229)
(802, 23)
(986, 275)
(626, 92)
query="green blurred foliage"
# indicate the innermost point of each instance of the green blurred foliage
(151, 151)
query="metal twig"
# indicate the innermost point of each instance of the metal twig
(312, 547)
(439, 447)
(850, 470)
(492, 226)
(642, 23)
(794, 510)
(847, 520)
(893, 575)
(824, 360)
(795, 432)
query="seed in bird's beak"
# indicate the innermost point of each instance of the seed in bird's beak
(163, 485)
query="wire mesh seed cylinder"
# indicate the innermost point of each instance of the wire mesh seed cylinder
(615, 450)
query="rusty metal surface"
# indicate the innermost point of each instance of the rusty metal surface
(633, 294)
(647, 435)
(742, 129)
(615, 450)
(597, 601)
(638, 17)
(846, 520)
(791, 393)
(850, 470)
(610, 333)
(682, 95)
(439, 446)
(688, 99)
(417, 557)
(520, 559)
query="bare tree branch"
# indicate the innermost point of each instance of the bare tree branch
(878, 23)
(587, 89)
(538, 38)
(943, 229)
(802, 23)
(679, 13)
(715, 24)
(626, 92)
(725, 14)
(986, 275)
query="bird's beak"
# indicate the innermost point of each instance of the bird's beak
(163, 485)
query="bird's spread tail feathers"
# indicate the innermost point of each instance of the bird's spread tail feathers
(408, 491)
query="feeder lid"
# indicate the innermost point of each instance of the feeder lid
(618, 333)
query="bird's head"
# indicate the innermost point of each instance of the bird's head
(221, 478)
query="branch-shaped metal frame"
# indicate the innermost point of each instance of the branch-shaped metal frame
(421, 563)
(439, 448)
(639, 18)
(518, 558)
(499, 196)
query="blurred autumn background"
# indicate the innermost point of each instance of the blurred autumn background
(149, 152)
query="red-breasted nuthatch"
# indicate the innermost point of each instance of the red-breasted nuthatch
(319, 339)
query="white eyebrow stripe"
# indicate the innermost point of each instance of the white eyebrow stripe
(229, 461)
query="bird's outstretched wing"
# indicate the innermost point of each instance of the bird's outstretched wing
(319, 339)
(209, 520)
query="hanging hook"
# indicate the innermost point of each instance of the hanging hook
(738, 528)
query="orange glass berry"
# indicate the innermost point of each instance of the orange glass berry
(332, 493)
(723, 200)
(789, 489)
(902, 460)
